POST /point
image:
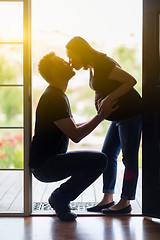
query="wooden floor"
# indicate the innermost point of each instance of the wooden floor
(84, 228)
(11, 193)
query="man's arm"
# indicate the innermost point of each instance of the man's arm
(75, 131)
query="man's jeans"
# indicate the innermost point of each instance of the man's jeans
(83, 168)
(124, 135)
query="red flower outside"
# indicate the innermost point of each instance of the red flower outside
(3, 155)
(1, 144)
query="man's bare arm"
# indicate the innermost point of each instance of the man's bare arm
(75, 131)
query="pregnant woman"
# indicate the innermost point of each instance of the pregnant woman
(113, 85)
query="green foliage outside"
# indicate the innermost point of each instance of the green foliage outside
(127, 58)
(11, 145)
(10, 97)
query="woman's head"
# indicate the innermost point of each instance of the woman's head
(80, 53)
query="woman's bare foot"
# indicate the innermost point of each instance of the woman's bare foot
(123, 203)
(106, 202)
(107, 198)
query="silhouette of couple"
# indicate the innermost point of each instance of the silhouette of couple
(116, 100)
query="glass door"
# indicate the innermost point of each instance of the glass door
(14, 84)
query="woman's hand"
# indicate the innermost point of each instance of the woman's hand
(106, 106)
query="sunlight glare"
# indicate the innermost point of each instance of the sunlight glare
(107, 22)
(11, 18)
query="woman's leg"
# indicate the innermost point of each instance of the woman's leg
(130, 134)
(83, 168)
(111, 148)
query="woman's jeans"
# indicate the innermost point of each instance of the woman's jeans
(83, 168)
(125, 135)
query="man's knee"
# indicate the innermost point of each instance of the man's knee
(102, 161)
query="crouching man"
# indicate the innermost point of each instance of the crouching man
(49, 159)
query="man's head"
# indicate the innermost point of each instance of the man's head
(54, 69)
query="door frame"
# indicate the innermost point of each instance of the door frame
(27, 107)
(151, 113)
(27, 75)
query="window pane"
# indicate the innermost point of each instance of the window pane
(11, 191)
(11, 64)
(11, 107)
(11, 148)
(11, 17)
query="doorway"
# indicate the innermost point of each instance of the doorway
(54, 23)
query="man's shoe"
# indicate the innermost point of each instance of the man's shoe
(62, 210)
(125, 210)
(100, 207)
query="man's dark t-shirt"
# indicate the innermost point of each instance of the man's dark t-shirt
(48, 139)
